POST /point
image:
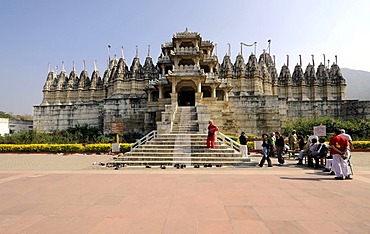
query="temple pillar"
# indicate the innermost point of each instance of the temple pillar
(160, 91)
(198, 97)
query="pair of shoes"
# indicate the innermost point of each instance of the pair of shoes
(281, 164)
(269, 166)
(260, 165)
(332, 173)
(299, 163)
(207, 165)
(148, 166)
(162, 166)
(218, 165)
(339, 178)
(196, 166)
(326, 170)
(349, 177)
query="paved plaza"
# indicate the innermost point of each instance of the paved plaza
(68, 194)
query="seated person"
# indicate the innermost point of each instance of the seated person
(319, 152)
(312, 148)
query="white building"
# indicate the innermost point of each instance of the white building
(4, 126)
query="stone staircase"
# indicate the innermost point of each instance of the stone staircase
(184, 146)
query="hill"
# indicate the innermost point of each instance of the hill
(358, 84)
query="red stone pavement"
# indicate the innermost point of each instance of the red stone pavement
(49, 198)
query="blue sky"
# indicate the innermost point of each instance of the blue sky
(35, 32)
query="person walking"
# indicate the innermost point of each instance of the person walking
(338, 147)
(292, 140)
(243, 145)
(212, 129)
(266, 150)
(279, 144)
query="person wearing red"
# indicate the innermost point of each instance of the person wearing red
(339, 145)
(212, 129)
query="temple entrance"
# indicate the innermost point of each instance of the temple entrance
(187, 98)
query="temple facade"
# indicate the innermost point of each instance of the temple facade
(250, 96)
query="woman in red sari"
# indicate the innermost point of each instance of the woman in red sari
(212, 129)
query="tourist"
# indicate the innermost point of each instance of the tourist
(349, 139)
(273, 140)
(292, 140)
(308, 152)
(339, 146)
(267, 147)
(279, 144)
(212, 129)
(243, 145)
(321, 152)
(300, 141)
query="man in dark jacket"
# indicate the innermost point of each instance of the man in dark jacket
(279, 144)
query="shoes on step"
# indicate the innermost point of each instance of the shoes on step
(269, 166)
(339, 178)
(349, 177)
(332, 173)
(326, 170)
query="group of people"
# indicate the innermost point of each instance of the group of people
(340, 146)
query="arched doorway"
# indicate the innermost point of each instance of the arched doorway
(187, 98)
(186, 93)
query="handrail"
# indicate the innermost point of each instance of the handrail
(228, 141)
(144, 139)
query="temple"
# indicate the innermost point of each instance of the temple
(250, 96)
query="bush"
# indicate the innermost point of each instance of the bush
(359, 129)
(60, 148)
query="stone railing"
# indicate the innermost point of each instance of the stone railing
(164, 59)
(228, 141)
(186, 50)
(143, 140)
(209, 58)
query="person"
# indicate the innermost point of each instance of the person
(279, 144)
(309, 151)
(243, 145)
(300, 141)
(212, 129)
(292, 140)
(321, 152)
(349, 139)
(272, 139)
(266, 150)
(338, 147)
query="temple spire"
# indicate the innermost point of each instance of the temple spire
(109, 52)
(137, 51)
(324, 60)
(48, 67)
(95, 67)
(313, 60)
(300, 60)
(229, 49)
(84, 65)
(63, 66)
(122, 55)
(336, 60)
(73, 66)
(287, 60)
(148, 50)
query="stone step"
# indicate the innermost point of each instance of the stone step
(193, 146)
(182, 150)
(182, 154)
(184, 162)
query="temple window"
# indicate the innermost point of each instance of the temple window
(186, 62)
(186, 44)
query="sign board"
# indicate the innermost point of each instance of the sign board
(319, 130)
(115, 148)
(258, 145)
(117, 127)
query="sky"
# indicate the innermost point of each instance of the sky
(36, 32)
